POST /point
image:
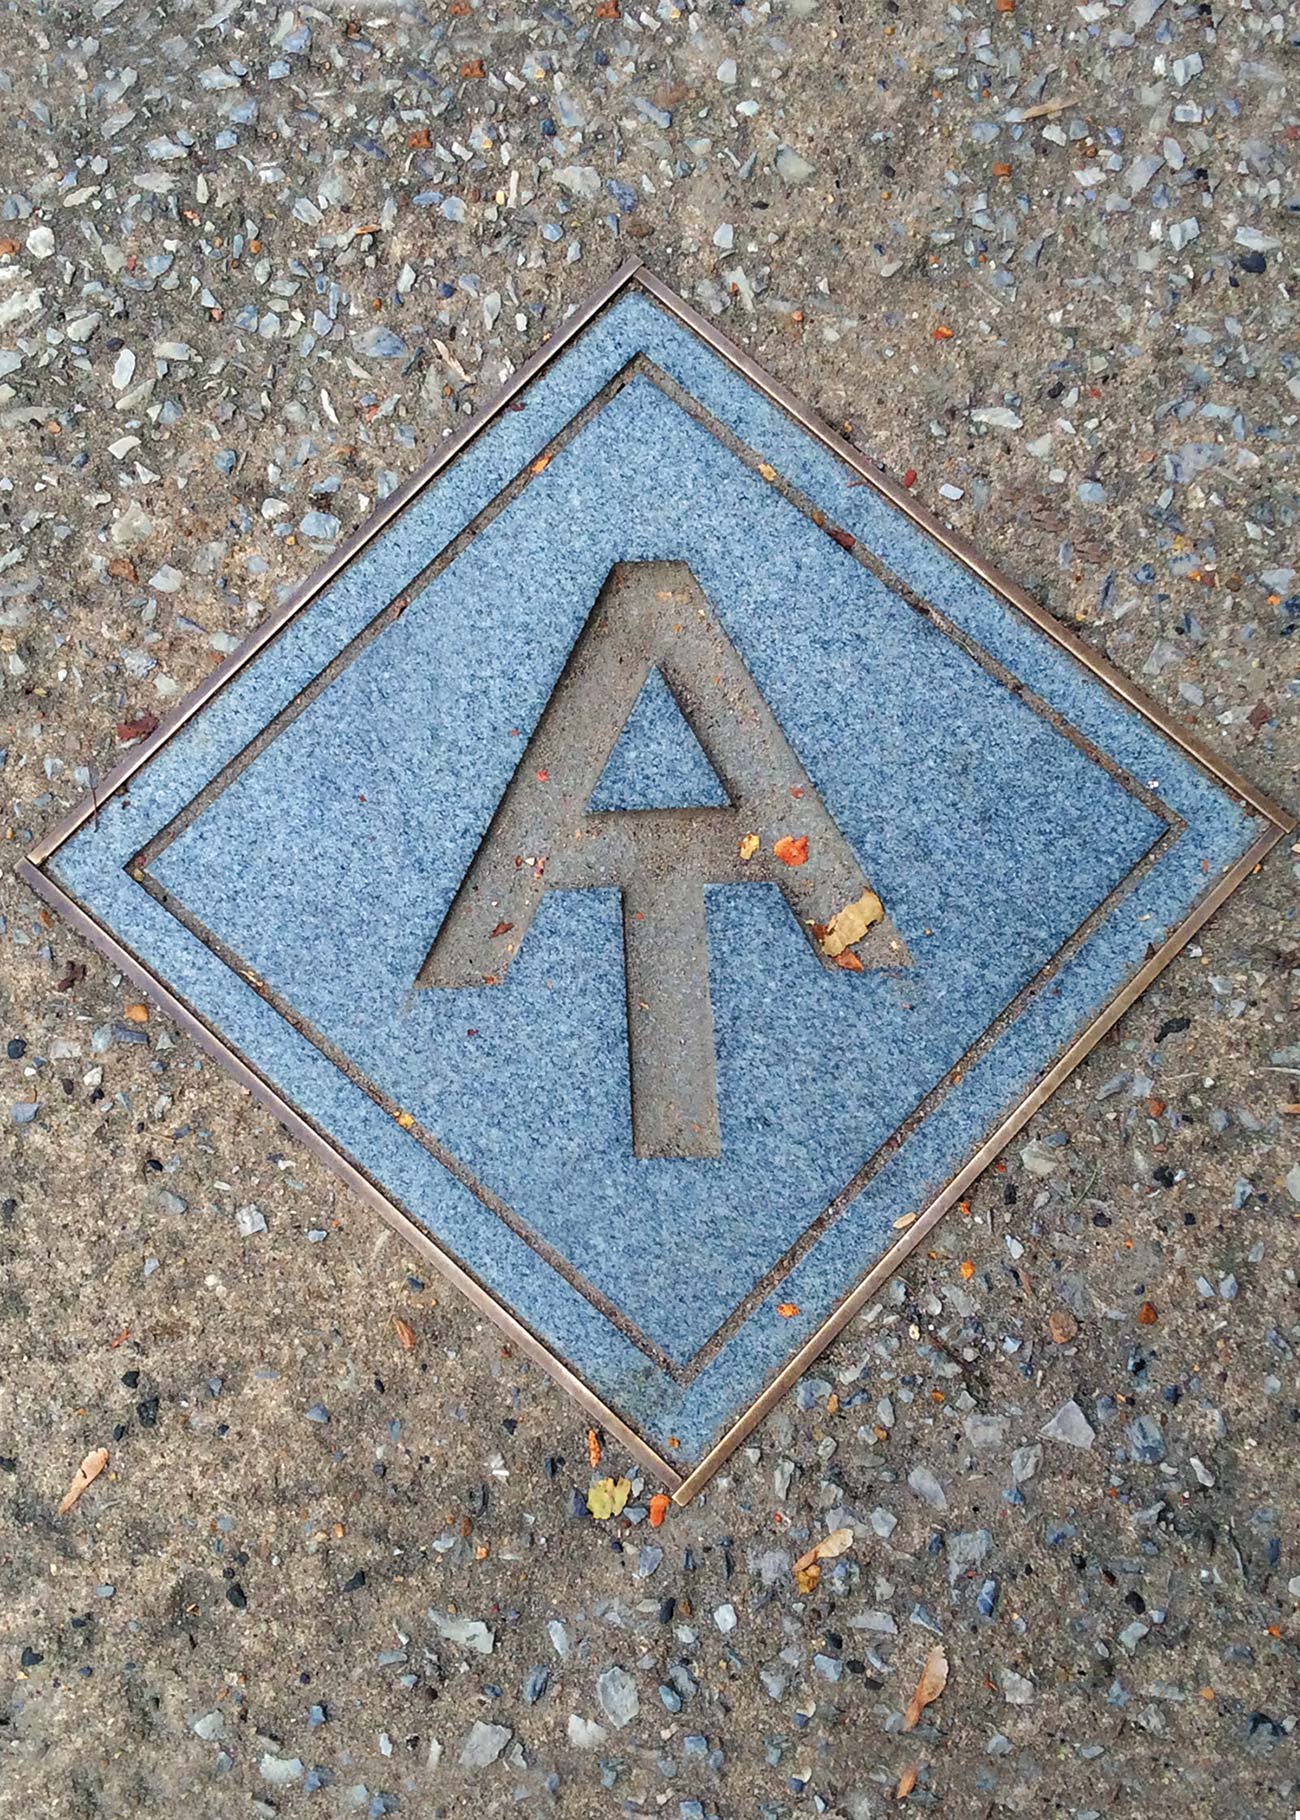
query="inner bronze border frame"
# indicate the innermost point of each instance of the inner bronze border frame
(1279, 823)
(685, 1372)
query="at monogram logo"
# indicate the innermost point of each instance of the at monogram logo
(544, 837)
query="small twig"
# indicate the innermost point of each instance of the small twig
(1050, 107)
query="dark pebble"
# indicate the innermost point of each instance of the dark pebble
(357, 1581)
(237, 1596)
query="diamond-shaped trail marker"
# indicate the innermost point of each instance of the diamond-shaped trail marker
(657, 870)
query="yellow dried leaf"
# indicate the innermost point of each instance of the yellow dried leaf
(766, 469)
(749, 846)
(827, 1549)
(934, 1678)
(86, 1474)
(850, 924)
(607, 1497)
(806, 1578)
(406, 1120)
(137, 1014)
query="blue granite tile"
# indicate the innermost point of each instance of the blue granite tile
(327, 864)
(658, 763)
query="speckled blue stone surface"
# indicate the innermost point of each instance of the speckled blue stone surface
(658, 763)
(326, 866)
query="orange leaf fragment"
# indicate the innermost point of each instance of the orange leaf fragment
(967, 1269)
(792, 849)
(849, 962)
(934, 1678)
(827, 1549)
(541, 464)
(406, 1120)
(787, 1310)
(943, 332)
(136, 1014)
(593, 1447)
(906, 1783)
(86, 1474)
(1147, 1314)
(608, 9)
(660, 1505)
(405, 1333)
(473, 70)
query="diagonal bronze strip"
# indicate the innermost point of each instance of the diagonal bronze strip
(988, 1151)
(353, 1176)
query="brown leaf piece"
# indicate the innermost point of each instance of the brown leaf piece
(934, 1678)
(792, 849)
(86, 1474)
(808, 1570)
(405, 1333)
(139, 728)
(906, 1783)
(850, 924)
(827, 1549)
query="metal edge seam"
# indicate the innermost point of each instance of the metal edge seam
(966, 553)
(359, 1184)
(991, 1148)
(320, 578)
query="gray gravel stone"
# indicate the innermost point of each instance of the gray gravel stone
(483, 1745)
(1070, 1425)
(618, 1696)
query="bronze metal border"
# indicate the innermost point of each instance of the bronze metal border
(342, 1166)
(683, 1488)
(810, 1234)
